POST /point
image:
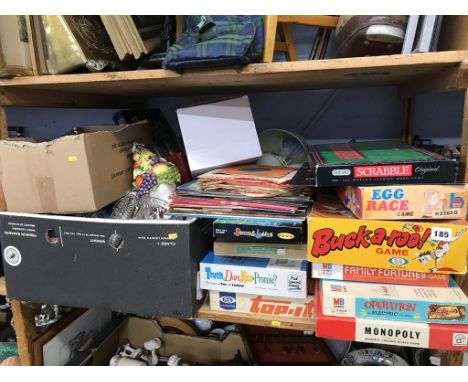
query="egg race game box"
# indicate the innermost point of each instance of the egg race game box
(406, 201)
(376, 162)
(394, 302)
(336, 236)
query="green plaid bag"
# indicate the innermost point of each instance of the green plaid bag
(217, 41)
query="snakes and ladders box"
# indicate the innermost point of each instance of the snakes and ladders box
(406, 201)
(387, 332)
(255, 304)
(281, 251)
(336, 236)
(394, 302)
(260, 231)
(378, 275)
(252, 275)
(75, 173)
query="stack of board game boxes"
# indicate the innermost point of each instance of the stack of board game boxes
(384, 242)
(259, 260)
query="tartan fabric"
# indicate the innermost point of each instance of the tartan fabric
(217, 41)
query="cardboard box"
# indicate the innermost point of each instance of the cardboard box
(406, 201)
(121, 265)
(71, 174)
(378, 275)
(192, 349)
(394, 302)
(219, 134)
(260, 231)
(272, 306)
(278, 251)
(384, 332)
(268, 277)
(337, 237)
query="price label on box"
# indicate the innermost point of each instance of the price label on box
(441, 234)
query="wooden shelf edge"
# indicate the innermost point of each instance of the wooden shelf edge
(252, 69)
(258, 320)
(3, 291)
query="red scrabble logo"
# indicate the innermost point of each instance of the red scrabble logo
(383, 171)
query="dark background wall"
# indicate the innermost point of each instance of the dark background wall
(321, 115)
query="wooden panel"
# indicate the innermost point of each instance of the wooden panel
(454, 33)
(447, 80)
(286, 35)
(253, 319)
(3, 291)
(23, 316)
(464, 144)
(278, 76)
(270, 24)
(317, 21)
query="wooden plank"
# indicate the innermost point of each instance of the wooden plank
(270, 24)
(278, 76)
(464, 144)
(317, 21)
(286, 35)
(254, 319)
(25, 329)
(281, 46)
(447, 80)
(179, 26)
(454, 33)
(3, 135)
(62, 98)
(3, 291)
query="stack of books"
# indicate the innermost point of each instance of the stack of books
(259, 263)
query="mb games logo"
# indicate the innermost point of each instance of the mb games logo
(338, 302)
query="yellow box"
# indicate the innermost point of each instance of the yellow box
(335, 236)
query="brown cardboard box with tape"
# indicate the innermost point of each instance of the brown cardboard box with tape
(75, 173)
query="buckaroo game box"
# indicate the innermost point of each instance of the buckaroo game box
(336, 236)
(376, 162)
(385, 332)
(394, 302)
(422, 201)
(378, 275)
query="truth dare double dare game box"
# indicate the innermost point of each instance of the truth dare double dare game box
(406, 201)
(379, 162)
(336, 236)
(253, 275)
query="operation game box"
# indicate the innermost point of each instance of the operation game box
(252, 275)
(386, 332)
(406, 201)
(255, 304)
(375, 162)
(394, 302)
(336, 236)
(378, 275)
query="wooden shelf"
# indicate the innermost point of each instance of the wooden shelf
(125, 88)
(3, 291)
(254, 319)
